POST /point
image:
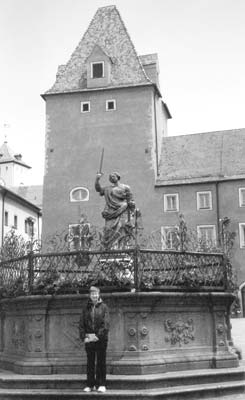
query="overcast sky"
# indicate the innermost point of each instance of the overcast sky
(200, 44)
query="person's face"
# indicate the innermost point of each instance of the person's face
(113, 178)
(94, 296)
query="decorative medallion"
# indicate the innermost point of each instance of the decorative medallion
(179, 332)
(132, 331)
(145, 347)
(38, 334)
(144, 331)
(132, 348)
(219, 314)
(220, 329)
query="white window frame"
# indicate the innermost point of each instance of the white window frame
(242, 235)
(103, 69)
(210, 206)
(82, 104)
(242, 197)
(199, 227)
(114, 105)
(72, 200)
(164, 232)
(165, 202)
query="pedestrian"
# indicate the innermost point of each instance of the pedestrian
(93, 330)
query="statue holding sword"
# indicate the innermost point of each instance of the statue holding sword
(118, 209)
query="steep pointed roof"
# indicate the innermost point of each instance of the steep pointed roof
(203, 157)
(108, 31)
(8, 155)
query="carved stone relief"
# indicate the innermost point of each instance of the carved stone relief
(180, 332)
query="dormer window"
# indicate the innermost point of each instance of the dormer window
(97, 69)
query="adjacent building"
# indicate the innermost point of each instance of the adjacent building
(203, 177)
(20, 205)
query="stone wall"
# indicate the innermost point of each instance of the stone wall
(150, 333)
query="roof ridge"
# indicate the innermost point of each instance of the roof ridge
(205, 133)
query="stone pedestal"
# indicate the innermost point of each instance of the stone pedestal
(151, 332)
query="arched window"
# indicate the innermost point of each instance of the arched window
(79, 194)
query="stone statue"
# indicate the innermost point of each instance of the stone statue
(118, 210)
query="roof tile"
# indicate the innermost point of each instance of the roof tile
(203, 157)
(108, 31)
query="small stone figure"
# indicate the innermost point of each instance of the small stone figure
(118, 210)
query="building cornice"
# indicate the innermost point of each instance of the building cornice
(102, 89)
(194, 180)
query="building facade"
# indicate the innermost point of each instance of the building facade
(107, 97)
(20, 205)
(203, 178)
(19, 214)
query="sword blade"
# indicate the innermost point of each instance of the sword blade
(101, 160)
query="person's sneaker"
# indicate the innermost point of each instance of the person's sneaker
(87, 389)
(102, 389)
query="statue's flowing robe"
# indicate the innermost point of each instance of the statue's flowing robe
(116, 213)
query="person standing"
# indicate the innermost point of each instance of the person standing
(93, 330)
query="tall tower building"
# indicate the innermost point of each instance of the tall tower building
(106, 96)
(13, 170)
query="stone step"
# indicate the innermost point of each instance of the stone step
(120, 382)
(192, 392)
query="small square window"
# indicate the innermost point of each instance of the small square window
(242, 197)
(85, 106)
(97, 69)
(171, 202)
(242, 235)
(110, 105)
(204, 200)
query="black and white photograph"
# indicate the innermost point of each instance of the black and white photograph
(122, 199)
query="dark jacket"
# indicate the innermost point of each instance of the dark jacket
(94, 319)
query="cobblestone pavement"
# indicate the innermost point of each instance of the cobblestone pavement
(238, 335)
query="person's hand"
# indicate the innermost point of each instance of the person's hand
(99, 175)
(86, 340)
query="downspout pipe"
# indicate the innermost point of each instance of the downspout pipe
(4, 192)
(220, 239)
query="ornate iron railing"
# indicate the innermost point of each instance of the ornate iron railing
(137, 269)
